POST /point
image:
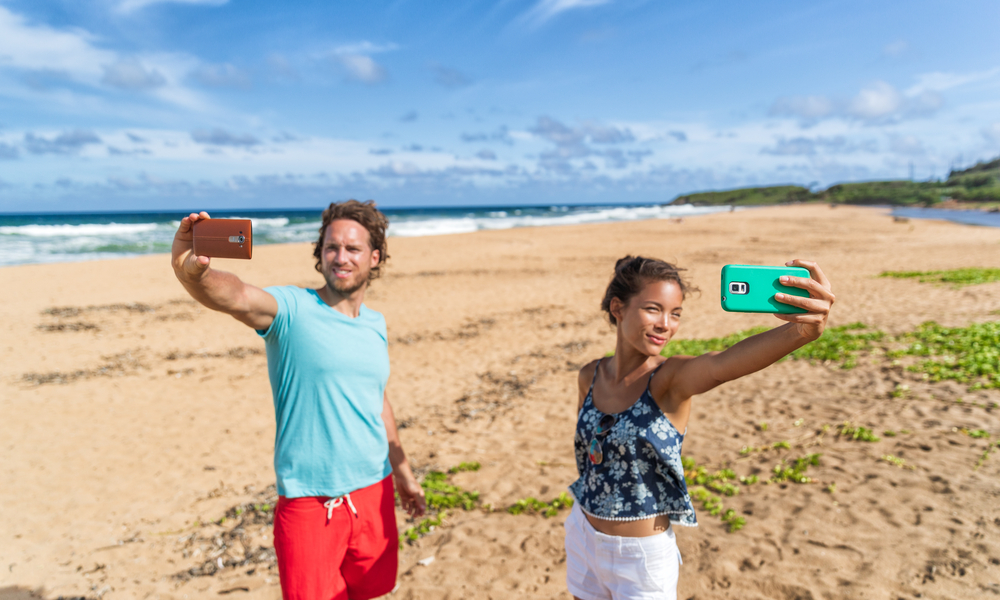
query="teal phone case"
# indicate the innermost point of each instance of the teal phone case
(751, 289)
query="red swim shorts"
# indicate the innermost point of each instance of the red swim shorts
(338, 548)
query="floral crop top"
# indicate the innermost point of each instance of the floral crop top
(640, 473)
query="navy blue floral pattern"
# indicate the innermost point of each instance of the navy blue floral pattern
(641, 475)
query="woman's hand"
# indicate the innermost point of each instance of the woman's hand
(810, 325)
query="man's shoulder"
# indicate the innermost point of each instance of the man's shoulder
(374, 319)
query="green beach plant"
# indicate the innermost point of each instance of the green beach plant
(441, 495)
(858, 432)
(465, 466)
(896, 461)
(969, 355)
(956, 277)
(796, 470)
(546, 509)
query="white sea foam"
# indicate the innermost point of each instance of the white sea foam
(78, 230)
(442, 226)
(259, 223)
(556, 216)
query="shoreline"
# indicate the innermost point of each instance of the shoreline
(272, 230)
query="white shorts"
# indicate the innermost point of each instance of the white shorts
(608, 567)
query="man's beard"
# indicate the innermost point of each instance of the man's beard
(346, 288)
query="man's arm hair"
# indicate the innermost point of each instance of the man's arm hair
(218, 290)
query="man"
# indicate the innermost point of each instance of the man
(335, 531)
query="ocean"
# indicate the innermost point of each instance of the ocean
(50, 238)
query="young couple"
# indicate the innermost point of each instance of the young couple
(337, 455)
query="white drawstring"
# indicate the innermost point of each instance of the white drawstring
(333, 503)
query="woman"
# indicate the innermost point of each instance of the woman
(633, 409)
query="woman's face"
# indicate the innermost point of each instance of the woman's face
(651, 318)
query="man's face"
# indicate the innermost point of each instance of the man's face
(347, 257)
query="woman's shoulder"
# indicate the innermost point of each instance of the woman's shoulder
(586, 374)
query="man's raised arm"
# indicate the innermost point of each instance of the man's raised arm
(215, 289)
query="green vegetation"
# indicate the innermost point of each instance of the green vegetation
(699, 347)
(965, 354)
(840, 344)
(703, 483)
(980, 184)
(549, 509)
(986, 454)
(898, 462)
(779, 445)
(858, 433)
(778, 194)
(735, 522)
(837, 344)
(441, 495)
(466, 466)
(796, 471)
(422, 528)
(956, 277)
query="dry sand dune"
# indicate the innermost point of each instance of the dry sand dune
(133, 419)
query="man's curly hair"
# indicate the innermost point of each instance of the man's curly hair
(369, 217)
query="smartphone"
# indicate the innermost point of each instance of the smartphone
(751, 289)
(223, 238)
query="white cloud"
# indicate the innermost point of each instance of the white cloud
(50, 58)
(32, 47)
(127, 6)
(878, 102)
(130, 74)
(362, 68)
(939, 82)
(358, 65)
(547, 9)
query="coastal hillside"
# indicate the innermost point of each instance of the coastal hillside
(979, 184)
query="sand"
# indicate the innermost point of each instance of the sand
(133, 419)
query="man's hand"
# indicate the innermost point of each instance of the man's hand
(187, 266)
(216, 289)
(411, 495)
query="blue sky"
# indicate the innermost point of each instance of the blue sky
(178, 104)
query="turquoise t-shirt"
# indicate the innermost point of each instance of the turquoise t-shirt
(328, 374)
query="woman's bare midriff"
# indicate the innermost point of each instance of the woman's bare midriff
(640, 528)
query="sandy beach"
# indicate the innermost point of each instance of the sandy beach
(134, 419)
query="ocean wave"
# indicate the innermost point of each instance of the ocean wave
(555, 216)
(426, 227)
(85, 230)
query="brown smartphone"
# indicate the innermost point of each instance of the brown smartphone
(223, 238)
